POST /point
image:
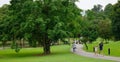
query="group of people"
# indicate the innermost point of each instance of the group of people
(97, 49)
(100, 48)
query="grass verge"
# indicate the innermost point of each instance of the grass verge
(59, 54)
(114, 48)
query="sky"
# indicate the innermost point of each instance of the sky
(88, 4)
(83, 4)
(4, 2)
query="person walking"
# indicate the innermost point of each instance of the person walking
(96, 50)
(74, 47)
(100, 47)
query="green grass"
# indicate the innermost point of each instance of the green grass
(114, 46)
(59, 54)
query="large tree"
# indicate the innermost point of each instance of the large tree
(116, 20)
(3, 31)
(90, 22)
(42, 21)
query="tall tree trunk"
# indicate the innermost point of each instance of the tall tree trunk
(46, 46)
(86, 45)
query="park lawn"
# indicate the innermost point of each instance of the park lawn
(114, 48)
(59, 53)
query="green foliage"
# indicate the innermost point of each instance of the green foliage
(4, 36)
(96, 13)
(41, 21)
(89, 30)
(116, 20)
(96, 23)
(89, 25)
(108, 10)
(97, 8)
(104, 29)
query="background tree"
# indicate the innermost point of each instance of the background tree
(96, 23)
(104, 29)
(116, 20)
(88, 31)
(90, 22)
(108, 10)
(97, 8)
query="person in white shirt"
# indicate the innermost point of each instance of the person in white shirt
(96, 50)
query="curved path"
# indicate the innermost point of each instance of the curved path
(80, 51)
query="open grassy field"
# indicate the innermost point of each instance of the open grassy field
(59, 54)
(114, 48)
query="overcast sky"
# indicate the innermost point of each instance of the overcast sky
(83, 4)
(88, 4)
(4, 2)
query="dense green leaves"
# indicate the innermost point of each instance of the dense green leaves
(97, 23)
(108, 10)
(104, 29)
(42, 21)
(116, 21)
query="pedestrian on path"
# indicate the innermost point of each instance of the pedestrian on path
(81, 52)
(74, 47)
(100, 47)
(96, 50)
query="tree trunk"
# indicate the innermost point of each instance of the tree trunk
(46, 46)
(86, 45)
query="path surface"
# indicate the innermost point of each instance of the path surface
(80, 51)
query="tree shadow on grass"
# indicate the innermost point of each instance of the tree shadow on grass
(18, 55)
(33, 52)
(9, 53)
(37, 54)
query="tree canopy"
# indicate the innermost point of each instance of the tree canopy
(42, 21)
(116, 20)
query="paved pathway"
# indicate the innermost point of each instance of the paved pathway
(80, 51)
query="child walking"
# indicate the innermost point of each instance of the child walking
(96, 50)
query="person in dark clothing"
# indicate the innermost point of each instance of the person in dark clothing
(100, 47)
(108, 51)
